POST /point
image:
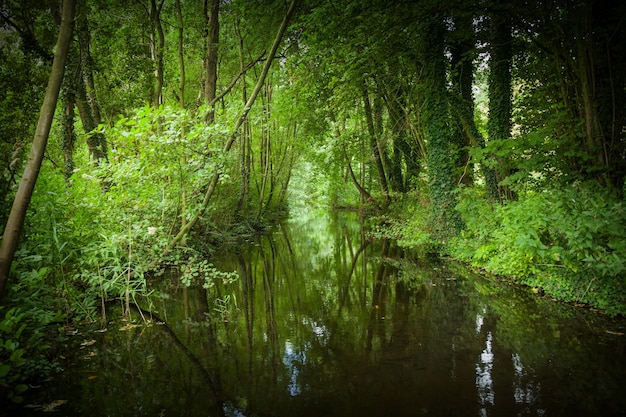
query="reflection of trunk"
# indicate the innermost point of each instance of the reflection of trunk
(247, 300)
(211, 380)
(24, 193)
(378, 308)
(346, 288)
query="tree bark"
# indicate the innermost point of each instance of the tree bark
(181, 55)
(382, 178)
(500, 90)
(86, 100)
(212, 8)
(446, 221)
(245, 162)
(31, 171)
(157, 50)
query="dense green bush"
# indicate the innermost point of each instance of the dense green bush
(569, 241)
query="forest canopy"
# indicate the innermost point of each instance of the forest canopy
(493, 132)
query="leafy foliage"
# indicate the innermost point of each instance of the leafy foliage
(569, 242)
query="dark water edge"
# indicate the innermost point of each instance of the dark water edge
(324, 322)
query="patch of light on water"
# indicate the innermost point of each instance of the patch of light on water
(292, 360)
(230, 410)
(484, 382)
(526, 391)
(319, 330)
(480, 320)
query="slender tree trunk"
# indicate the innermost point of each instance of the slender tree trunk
(382, 178)
(157, 50)
(181, 55)
(245, 161)
(500, 90)
(68, 98)
(31, 171)
(84, 88)
(69, 136)
(466, 133)
(84, 42)
(212, 8)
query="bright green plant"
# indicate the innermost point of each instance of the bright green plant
(569, 241)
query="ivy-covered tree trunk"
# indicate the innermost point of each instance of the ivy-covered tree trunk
(500, 90)
(16, 218)
(446, 221)
(465, 132)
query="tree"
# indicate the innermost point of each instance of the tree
(446, 220)
(211, 187)
(157, 45)
(29, 178)
(500, 88)
(211, 12)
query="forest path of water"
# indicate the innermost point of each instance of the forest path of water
(324, 322)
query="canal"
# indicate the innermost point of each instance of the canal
(321, 320)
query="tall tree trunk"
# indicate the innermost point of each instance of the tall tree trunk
(382, 178)
(446, 220)
(466, 134)
(181, 55)
(500, 89)
(212, 10)
(69, 136)
(245, 161)
(86, 99)
(84, 42)
(31, 171)
(157, 50)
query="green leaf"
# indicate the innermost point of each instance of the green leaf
(4, 370)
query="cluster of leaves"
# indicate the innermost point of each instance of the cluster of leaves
(196, 270)
(23, 346)
(568, 241)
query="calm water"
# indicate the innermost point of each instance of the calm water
(322, 322)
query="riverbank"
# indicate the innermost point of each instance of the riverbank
(569, 244)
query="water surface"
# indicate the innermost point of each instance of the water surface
(323, 321)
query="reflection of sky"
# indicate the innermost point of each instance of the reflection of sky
(526, 391)
(484, 382)
(293, 360)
